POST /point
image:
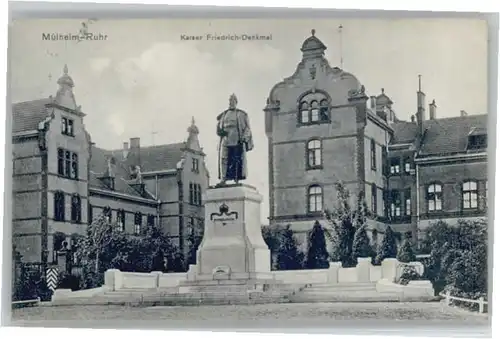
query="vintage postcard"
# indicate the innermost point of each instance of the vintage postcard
(218, 171)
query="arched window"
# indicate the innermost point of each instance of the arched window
(434, 197)
(469, 195)
(314, 111)
(76, 208)
(304, 112)
(59, 206)
(315, 199)
(138, 222)
(314, 153)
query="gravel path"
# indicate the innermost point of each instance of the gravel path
(289, 316)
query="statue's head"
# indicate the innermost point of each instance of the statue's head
(233, 101)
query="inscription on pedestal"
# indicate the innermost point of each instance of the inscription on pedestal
(224, 215)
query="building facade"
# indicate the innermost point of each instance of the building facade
(323, 128)
(61, 180)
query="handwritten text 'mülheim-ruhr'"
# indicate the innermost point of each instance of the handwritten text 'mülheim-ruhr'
(74, 37)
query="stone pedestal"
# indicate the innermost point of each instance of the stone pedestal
(232, 249)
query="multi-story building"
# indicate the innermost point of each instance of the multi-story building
(61, 180)
(323, 128)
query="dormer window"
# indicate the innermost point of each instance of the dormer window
(67, 127)
(477, 141)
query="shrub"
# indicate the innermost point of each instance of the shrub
(361, 247)
(388, 247)
(343, 222)
(406, 253)
(317, 255)
(289, 257)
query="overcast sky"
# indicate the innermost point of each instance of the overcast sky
(143, 78)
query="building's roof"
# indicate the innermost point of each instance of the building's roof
(450, 135)
(99, 165)
(157, 158)
(442, 136)
(28, 114)
(152, 158)
(404, 132)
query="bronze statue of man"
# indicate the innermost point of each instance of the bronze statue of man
(233, 128)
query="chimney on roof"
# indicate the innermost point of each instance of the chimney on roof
(135, 143)
(373, 102)
(135, 151)
(432, 110)
(420, 107)
(125, 150)
(463, 113)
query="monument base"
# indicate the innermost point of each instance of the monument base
(233, 254)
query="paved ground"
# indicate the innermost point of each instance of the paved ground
(289, 316)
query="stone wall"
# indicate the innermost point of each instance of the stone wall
(364, 272)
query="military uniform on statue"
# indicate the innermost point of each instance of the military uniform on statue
(233, 254)
(233, 128)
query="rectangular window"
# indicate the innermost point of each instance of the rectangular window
(407, 165)
(304, 116)
(434, 197)
(314, 115)
(195, 166)
(67, 163)
(151, 220)
(138, 222)
(395, 204)
(408, 202)
(120, 219)
(373, 152)
(395, 166)
(60, 161)
(191, 193)
(374, 199)
(67, 127)
(59, 206)
(199, 194)
(76, 209)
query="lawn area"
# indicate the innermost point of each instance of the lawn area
(289, 316)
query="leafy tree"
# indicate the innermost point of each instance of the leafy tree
(343, 222)
(317, 255)
(406, 253)
(289, 256)
(459, 264)
(361, 247)
(388, 248)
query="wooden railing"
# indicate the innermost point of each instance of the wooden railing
(449, 298)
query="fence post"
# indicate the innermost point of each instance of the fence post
(481, 305)
(448, 299)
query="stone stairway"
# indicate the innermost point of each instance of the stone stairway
(200, 295)
(344, 292)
